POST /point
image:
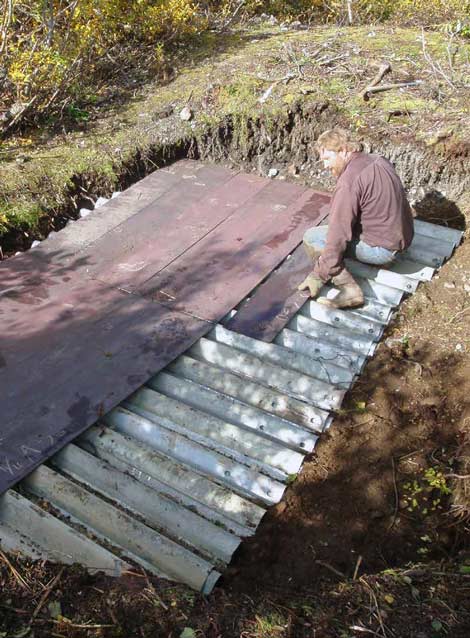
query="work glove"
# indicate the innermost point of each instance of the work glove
(313, 283)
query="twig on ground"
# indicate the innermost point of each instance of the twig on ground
(151, 589)
(383, 70)
(358, 564)
(395, 491)
(388, 87)
(458, 314)
(435, 66)
(331, 568)
(374, 598)
(67, 624)
(363, 629)
(333, 59)
(18, 577)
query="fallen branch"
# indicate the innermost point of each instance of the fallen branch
(383, 70)
(459, 314)
(331, 568)
(388, 87)
(435, 66)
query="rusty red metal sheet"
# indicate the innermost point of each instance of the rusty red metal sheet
(74, 342)
(277, 299)
(147, 242)
(72, 379)
(275, 302)
(223, 268)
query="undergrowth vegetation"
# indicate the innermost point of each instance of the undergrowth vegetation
(58, 56)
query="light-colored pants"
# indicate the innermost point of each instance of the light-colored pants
(358, 249)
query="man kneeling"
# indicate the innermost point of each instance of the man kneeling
(370, 218)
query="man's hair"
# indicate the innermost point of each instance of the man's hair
(338, 139)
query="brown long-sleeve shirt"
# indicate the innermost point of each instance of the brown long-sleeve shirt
(368, 203)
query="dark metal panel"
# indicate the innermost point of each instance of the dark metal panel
(223, 268)
(52, 400)
(144, 244)
(275, 302)
(80, 234)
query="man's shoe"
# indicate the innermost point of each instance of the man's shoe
(349, 295)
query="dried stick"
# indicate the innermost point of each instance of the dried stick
(331, 568)
(388, 87)
(395, 491)
(374, 598)
(356, 569)
(6, 21)
(436, 67)
(383, 70)
(18, 577)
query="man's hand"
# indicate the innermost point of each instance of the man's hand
(313, 283)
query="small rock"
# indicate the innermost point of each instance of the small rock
(186, 114)
(449, 286)
(35, 243)
(18, 253)
(100, 202)
(459, 347)
(273, 172)
(272, 20)
(84, 212)
(467, 287)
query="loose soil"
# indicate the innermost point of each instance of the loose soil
(372, 538)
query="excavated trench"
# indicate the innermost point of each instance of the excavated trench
(436, 177)
(436, 183)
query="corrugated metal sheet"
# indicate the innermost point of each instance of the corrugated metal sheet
(176, 476)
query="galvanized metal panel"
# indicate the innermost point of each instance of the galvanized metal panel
(280, 356)
(296, 385)
(159, 512)
(343, 340)
(438, 232)
(238, 442)
(234, 411)
(404, 266)
(435, 247)
(192, 452)
(168, 558)
(26, 527)
(173, 480)
(342, 319)
(251, 393)
(382, 276)
(327, 354)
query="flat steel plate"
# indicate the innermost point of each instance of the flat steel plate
(91, 314)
